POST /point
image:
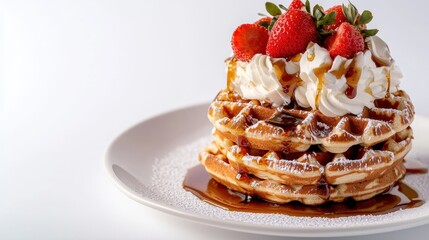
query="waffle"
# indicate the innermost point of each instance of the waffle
(257, 125)
(356, 165)
(233, 177)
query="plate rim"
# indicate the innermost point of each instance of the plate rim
(249, 227)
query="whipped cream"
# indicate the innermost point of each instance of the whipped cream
(340, 86)
(381, 54)
(335, 87)
(380, 51)
(258, 79)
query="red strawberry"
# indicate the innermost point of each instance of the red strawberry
(340, 18)
(346, 42)
(291, 34)
(248, 40)
(264, 19)
(296, 4)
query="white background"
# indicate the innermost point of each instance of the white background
(75, 74)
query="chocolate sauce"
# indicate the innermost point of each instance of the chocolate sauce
(200, 183)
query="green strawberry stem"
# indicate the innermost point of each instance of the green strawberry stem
(359, 20)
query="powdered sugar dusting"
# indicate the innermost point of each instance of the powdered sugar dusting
(170, 170)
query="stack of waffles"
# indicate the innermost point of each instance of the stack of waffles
(301, 155)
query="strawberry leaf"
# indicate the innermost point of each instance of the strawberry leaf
(365, 17)
(324, 32)
(272, 9)
(283, 7)
(327, 19)
(351, 13)
(347, 13)
(307, 6)
(330, 18)
(354, 12)
(318, 12)
(369, 32)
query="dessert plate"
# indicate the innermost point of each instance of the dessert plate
(149, 161)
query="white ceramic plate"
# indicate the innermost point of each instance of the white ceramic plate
(149, 161)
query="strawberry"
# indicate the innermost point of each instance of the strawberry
(291, 34)
(248, 40)
(346, 42)
(296, 4)
(263, 20)
(340, 18)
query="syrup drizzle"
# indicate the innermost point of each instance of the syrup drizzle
(340, 71)
(284, 120)
(200, 183)
(231, 74)
(352, 76)
(388, 84)
(289, 82)
(310, 57)
(296, 58)
(320, 74)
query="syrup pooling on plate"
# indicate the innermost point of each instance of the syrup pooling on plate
(200, 183)
(415, 167)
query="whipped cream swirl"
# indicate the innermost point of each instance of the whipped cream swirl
(380, 51)
(335, 87)
(340, 86)
(258, 79)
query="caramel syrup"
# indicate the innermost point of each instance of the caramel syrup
(340, 71)
(284, 120)
(352, 76)
(296, 58)
(231, 74)
(320, 74)
(388, 84)
(200, 183)
(310, 57)
(289, 82)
